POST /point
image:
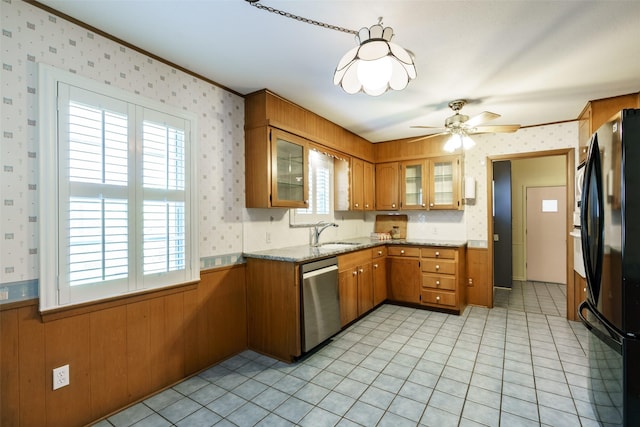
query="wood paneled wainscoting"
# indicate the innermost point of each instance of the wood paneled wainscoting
(118, 351)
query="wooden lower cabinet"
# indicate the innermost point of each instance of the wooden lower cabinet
(356, 285)
(580, 295)
(430, 276)
(379, 274)
(442, 278)
(273, 308)
(404, 274)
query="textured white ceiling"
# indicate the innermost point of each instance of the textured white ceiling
(533, 62)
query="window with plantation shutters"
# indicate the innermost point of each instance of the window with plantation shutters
(118, 186)
(320, 188)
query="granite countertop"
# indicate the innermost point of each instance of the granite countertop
(304, 253)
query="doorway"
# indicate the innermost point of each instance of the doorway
(567, 161)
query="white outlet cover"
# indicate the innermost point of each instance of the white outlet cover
(60, 377)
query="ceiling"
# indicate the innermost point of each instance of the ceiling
(533, 62)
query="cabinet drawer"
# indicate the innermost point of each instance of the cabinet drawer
(442, 266)
(444, 298)
(439, 282)
(379, 252)
(403, 251)
(439, 253)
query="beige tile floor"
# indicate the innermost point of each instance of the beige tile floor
(518, 364)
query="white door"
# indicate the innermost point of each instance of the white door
(547, 234)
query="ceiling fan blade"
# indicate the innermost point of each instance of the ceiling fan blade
(428, 127)
(483, 117)
(421, 138)
(494, 129)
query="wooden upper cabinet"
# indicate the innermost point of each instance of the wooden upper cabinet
(275, 169)
(289, 186)
(368, 186)
(414, 184)
(357, 184)
(584, 133)
(362, 185)
(445, 183)
(598, 112)
(387, 186)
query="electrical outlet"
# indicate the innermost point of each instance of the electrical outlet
(60, 377)
(267, 238)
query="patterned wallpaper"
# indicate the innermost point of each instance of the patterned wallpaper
(540, 138)
(29, 36)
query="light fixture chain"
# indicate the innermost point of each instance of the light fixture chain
(256, 3)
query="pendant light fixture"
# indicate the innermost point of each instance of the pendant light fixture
(374, 66)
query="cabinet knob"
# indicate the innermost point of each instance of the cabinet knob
(431, 204)
(584, 289)
(437, 282)
(401, 251)
(424, 205)
(437, 267)
(438, 299)
(366, 205)
(355, 273)
(375, 265)
(361, 270)
(357, 205)
(393, 205)
(379, 252)
(437, 254)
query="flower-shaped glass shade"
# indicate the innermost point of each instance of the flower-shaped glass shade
(375, 65)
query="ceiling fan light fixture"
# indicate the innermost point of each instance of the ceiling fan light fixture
(376, 65)
(458, 140)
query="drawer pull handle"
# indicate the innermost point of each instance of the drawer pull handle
(437, 254)
(437, 267)
(379, 252)
(402, 252)
(437, 282)
(438, 299)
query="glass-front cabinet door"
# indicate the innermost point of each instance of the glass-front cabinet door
(288, 170)
(445, 182)
(414, 184)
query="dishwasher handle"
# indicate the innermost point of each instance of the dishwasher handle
(320, 271)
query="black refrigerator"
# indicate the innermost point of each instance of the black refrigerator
(610, 231)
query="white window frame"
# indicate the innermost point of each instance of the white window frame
(301, 216)
(55, 291)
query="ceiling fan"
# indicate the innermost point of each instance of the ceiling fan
(460, 126)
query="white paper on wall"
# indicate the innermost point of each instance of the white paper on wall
(549, 206)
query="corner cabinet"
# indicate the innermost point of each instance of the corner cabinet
(445, 187)
(275, 168)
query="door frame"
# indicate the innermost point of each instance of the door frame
(570, 160)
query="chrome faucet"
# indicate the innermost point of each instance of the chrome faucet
(319, 228)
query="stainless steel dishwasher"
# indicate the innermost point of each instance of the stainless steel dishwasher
(320, 302)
